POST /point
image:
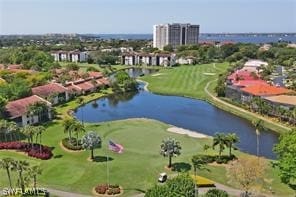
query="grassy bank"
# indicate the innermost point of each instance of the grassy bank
(190, 81)
(136, 169)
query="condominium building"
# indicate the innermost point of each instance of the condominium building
(175, 34)
(72, 56)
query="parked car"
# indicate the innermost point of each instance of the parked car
(162, 177)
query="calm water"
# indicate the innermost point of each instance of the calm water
(244, 38)
(187, 113)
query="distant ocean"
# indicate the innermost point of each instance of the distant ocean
(244, 38)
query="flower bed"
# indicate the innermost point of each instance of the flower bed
(36, 151)
(105, 189)
(70, 146)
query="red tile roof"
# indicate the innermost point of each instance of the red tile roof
(104, 81)
(11, 66)
(73, 88)
(246, 83)
(49, 89)
(242, 75)
(86, 86)
(19, 107)
(265, 90)
(95, 75)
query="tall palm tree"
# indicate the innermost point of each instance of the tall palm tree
(219, 140)
(6, 163)
(198, 164)
(38, 132)
(12, 129)
(90, 141)
(20, 167)
(3, 128)
(258, 127)
(77, 128)
(37, 109)
(29, 132)
(67, 123)
(169, 148)
(231, 138)
(33, 172)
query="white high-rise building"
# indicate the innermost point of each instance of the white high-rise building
(175, 34)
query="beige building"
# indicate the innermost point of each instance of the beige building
(175, 34)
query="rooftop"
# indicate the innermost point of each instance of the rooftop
(255, 63)
(243, 75)
(265, 90)
(48, 89)
(19, 107)
(283, 99)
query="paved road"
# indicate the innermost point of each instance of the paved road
(240, 109)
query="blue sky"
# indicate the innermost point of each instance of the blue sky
(138, 16)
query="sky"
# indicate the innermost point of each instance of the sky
(138, 16)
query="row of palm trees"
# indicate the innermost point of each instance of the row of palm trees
(263, 107)
(223, 140)
(26, 174)
(9, 131)
(32, 132)
(73, 126)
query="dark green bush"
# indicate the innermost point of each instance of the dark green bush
(71, 145)
(216, 193)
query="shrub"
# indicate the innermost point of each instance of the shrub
(71, 146)
(216, 193)
(110, 190)
(212, 158)
(32, 151)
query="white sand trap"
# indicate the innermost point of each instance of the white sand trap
(187, 132)
(209, 74)
(157, 74)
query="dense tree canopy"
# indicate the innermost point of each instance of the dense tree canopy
(286, 152)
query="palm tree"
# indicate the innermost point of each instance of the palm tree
(258, 126)
(37, 109)
(198, 164)
(169, 148)
(33, 172)
(77, 128)
(6, 163)
(29, 132)
(3, 128)
(20, 167)
(231, 138)
(38, 132)
(219, 140)
(12, 128)
(67, 123)
(90, 141)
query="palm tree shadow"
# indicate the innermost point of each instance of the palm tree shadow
(102, 159)
(181, 167)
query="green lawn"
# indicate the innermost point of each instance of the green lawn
(186, 81)
(136, 169)
(190, 81)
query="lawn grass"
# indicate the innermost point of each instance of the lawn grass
(190, 81)
(136, 169)
(186, 81)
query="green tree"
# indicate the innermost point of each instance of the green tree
(20, 167)
(37, 109)
(90, 141)
(220, 141)
(286, 154)
(216, 193)
(77, 127)
(33, 172)
(168, 48)
(231, 139)
(6, 164)
(198, 164)
(169, 148)
(3, 102)
(181, 185)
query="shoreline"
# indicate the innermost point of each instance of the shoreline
(214, 104)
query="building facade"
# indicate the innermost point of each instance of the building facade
(72, 56)
(175, 34)
(148, 59)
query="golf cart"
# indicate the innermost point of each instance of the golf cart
(162, 177)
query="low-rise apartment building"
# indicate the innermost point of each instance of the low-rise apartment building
(71, 56)
(149, 59)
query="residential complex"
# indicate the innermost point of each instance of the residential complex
(71, 56)
(149, 59)
(175, 34)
